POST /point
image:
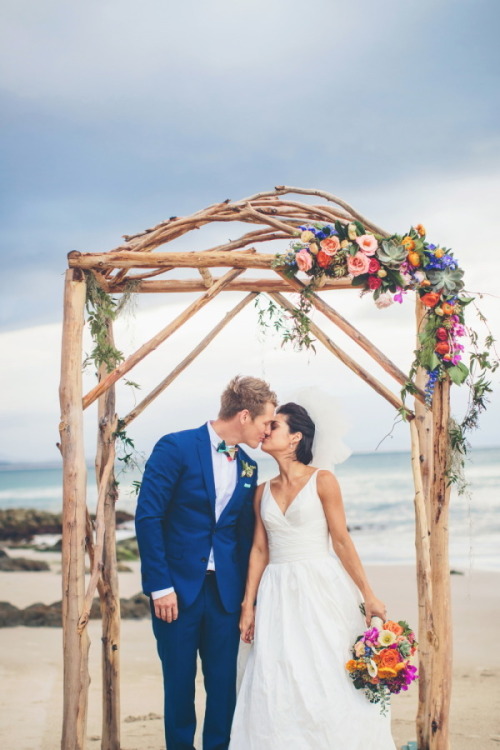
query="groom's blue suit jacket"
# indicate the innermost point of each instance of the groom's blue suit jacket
(176, 525)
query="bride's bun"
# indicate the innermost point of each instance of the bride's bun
(298, 420)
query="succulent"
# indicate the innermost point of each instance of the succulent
(447, 279)
(391, 254)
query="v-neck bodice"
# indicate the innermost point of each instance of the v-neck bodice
(299, 533)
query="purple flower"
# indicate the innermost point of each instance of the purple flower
(399, 296)
(371, 635)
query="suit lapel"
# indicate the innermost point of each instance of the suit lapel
(240, 486)
(207, 469)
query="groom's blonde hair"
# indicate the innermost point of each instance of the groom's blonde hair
(246, 393)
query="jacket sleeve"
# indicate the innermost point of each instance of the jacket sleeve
(161, 475)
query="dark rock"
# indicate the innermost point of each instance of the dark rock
(13, 564)
(21, 524)
(127, 550)
(50, 615)
(135, 608)
(43, 615)
(9, 615)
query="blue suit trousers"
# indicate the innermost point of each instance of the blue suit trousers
(205, 628)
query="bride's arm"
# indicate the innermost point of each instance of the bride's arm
(333, 506)
(259, 557)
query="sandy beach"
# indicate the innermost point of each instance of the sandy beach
(31, 664)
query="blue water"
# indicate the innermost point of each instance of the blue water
(378, 496)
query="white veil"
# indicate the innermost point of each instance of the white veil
(326, 413)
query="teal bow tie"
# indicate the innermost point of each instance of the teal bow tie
(229, 451)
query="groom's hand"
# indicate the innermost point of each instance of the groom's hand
(166, 607)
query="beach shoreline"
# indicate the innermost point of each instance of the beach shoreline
(32, 663)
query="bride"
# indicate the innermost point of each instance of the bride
(301, 610)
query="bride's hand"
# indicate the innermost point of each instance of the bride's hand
(247, 624)
(374, 608)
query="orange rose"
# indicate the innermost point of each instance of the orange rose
(420, 229)
(353, 665)
(389, 657)
(447, 308)
(408, 243)
(414, 259)
(430, 299)
(323, 259)
(394, 627)
(442, 347)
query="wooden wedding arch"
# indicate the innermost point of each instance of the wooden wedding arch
(274, 217)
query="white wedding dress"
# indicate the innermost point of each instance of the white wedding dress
(295, 693)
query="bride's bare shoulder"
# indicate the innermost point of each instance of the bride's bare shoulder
(327, 481)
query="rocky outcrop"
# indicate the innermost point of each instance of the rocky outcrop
(14, 564)
(49, 615)
(22, 524)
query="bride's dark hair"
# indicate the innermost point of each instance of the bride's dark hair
(298, 420)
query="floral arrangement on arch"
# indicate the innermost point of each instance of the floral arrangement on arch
(380, 664)
(388, 268)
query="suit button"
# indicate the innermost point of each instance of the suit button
(204, 559)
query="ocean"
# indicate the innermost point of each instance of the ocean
(378, 496)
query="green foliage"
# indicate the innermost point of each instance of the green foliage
(293, 326)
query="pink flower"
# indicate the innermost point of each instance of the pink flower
(384, 300)
(374, 266)
(358, 264)
(367, 244)
(304, 260)
(330, 245)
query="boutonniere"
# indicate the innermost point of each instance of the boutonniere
(247, 469)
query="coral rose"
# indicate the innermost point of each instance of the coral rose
(374, 282)
(323, 259)
(430, 299)
(389, 657)
(330, 245)
(358, 264)
(394, 627)
(304, 260)
(367, 244)
(442, 348)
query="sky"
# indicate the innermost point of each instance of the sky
(116, 115)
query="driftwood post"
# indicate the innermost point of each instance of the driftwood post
(441, 675)
(423, 447)
(75, 643)
(108, 584)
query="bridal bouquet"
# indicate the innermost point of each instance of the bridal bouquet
(381, 660)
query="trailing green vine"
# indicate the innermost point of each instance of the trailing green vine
(102, 309)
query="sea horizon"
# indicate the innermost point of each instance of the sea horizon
(378, 494)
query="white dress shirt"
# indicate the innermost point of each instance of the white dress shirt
(225, 479)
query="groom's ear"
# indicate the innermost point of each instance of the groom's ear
(244, 415)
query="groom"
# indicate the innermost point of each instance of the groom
(194, 524)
